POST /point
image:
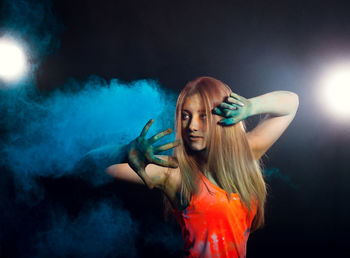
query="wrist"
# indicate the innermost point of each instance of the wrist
(277, 103)
(253, 106)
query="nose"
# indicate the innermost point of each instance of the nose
(194, 124)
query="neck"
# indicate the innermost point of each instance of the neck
(201, 159)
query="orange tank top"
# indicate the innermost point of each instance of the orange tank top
(214, 226)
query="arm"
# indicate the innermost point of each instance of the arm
(280, 107)
(105, 156)
(123, 171)
(139, 154)
(92, 166)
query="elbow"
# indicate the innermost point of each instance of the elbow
(294, 101)
(112, 171)
(295, 97)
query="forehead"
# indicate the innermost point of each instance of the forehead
(194, 103)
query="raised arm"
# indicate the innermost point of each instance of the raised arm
(92, 166)
(280, 108)
(135, 162)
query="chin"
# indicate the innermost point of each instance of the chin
(194, 147)
(197, 149)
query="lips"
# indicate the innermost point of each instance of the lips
(195, 138)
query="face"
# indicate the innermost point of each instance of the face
(194, 121)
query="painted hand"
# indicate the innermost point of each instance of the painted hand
(142, 153)
(234, 109)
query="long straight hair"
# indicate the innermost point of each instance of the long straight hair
(229, 158)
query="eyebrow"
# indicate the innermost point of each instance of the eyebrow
(203, 110)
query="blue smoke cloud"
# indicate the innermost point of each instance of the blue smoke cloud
(165, 236)
(275, 173)
(47, 136)
(100, 230)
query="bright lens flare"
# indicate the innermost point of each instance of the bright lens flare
(337, 91)
(13, 63)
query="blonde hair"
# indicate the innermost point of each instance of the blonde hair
(229, 158)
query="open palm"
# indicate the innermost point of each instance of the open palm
(142, 153)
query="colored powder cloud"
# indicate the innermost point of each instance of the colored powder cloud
(100, 230)
(47, 136)
(275, 173)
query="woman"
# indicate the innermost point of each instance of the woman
(213, 182)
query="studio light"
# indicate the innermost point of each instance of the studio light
(336, 90)
(13, 61)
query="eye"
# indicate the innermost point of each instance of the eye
(203, 116)
(185, 116)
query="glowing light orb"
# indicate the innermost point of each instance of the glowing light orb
(13, 63)
(337, 90)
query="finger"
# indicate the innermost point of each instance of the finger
(217, 111)
(230, 113)
(235, 101)
(146, 128)
(228, 106)
(170, 162)
(156, 137)
(224, 112)
(159, 161)
(227, 121)
(236, 96)
(167, 146)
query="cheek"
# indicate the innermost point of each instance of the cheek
(183, 126)
(184, 130)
